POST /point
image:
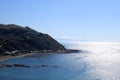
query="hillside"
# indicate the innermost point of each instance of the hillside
(24, 39)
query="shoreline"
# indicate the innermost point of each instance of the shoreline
(7, 57)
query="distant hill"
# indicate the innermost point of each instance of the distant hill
(24, 39)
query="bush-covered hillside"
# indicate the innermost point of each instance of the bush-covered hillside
(25, 39)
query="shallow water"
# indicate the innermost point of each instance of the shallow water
(102, 62)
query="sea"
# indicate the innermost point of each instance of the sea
(97, 61)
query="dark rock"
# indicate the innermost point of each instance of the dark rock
(42, 66)
(8, 65)
(5, 65)
(21, 65)
(55, 66)
(72, 51)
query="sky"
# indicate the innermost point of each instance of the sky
(82, 20)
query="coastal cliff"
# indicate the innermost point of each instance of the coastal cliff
(14, 38)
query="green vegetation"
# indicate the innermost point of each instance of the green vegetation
(14, 38)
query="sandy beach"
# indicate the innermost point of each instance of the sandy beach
(7, 57)
(68, 51)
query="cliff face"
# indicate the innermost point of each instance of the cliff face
(14, 37)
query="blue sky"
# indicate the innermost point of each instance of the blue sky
(94, 20)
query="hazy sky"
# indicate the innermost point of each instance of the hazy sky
(97, 20)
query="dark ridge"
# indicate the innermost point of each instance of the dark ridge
(9, 26)
(14, 38)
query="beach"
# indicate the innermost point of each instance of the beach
(7, 57)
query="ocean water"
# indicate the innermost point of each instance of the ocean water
(99, 61)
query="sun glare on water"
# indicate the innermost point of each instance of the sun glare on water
(103, 58)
